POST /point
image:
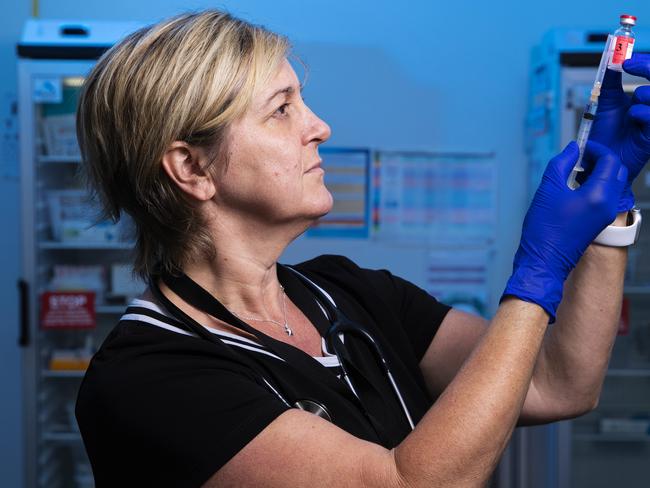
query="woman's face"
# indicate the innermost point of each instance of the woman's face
(273, 173)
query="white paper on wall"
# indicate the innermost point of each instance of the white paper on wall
(439, 199)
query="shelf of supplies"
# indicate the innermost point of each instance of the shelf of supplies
(51, 373)
(612, 437)
(99, 310)
(85, 245)
(643, 205)
(62, 436)
(53, 159)
(631, 372)
(110, 309)
(637, 289)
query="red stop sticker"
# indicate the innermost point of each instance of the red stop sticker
(67, 309)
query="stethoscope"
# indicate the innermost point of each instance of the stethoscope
(340, 326)
(334, 338)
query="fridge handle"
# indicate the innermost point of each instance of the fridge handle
(23, 289)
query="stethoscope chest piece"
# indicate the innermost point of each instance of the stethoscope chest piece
(314, 407)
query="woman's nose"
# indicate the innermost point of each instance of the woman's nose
(319, 130)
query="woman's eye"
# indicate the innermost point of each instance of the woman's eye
(282, 110)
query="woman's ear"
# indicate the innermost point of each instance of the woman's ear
(185, 165)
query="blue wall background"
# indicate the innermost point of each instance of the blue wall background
(393, 75)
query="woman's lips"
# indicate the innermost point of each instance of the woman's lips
(316, 168)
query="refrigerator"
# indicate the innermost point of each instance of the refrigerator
(75, 278)
(610, 446)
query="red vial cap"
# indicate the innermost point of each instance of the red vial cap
(628, 19)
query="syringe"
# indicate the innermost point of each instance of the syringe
(590, 111)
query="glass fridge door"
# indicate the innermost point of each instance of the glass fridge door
(76, 267)
(611, 445)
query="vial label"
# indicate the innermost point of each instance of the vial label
(622, 49)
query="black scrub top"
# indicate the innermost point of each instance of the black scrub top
(160, 406)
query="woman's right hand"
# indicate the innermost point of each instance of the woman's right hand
(562, 222)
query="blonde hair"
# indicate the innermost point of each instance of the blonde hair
(184, 79)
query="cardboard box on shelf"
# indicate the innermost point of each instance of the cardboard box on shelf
(60, 136)
(73, 218)
(69, 360)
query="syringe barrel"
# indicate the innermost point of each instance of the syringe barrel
(572, 181)
(583, 135)
(604, 59)
(581, 139)
(590, 111)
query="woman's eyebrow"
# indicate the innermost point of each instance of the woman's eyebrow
(289, 90)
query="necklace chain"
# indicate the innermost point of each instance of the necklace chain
(285, 325)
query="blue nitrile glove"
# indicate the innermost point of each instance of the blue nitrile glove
(623, 123)
(561, 223)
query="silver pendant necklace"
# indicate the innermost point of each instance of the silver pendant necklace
(284, 325)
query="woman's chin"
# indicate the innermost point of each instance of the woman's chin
(313, 209)
(326, 204)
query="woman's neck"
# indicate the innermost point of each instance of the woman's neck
(243, 274)
(246, 285)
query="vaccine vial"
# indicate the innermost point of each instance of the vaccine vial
(623, 43)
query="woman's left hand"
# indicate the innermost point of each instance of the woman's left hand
(561, 223)
(623, 123)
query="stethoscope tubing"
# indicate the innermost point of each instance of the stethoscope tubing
(340, 326)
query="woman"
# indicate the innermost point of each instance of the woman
(224, 374)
